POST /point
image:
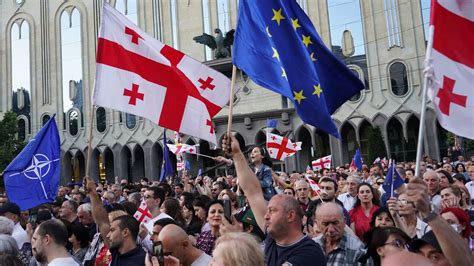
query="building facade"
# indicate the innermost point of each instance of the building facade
(47, 66)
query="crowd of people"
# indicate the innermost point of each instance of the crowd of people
(257, 217)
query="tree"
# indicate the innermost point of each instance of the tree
(10, 146)
(376, 144)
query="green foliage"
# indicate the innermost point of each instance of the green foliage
(376, 144)
(10, 146)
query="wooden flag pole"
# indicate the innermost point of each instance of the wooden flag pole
(89, 145)
(231, 101)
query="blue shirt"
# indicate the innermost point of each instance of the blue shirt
(264, 176)
(304, 252)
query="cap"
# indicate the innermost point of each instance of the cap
(429, 238)
(10, 207)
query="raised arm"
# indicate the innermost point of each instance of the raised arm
(99, 213)
(451, 242)
(247, 180)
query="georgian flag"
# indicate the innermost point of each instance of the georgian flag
(280, 147)
(143, 214)
(182, 148)
(321, 163)
(450, 67)
(137, 74)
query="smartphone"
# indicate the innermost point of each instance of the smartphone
(33, 220)
(227, 211)
(158, 252)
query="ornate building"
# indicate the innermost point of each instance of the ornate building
(47, 66)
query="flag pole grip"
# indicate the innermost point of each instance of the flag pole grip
(89, 145)
(421, 132)
(231, 99)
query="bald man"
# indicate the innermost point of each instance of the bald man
(176, 243)
(405, 258)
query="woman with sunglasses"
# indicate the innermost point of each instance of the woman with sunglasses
(386, 241)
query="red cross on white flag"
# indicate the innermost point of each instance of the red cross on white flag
(137, 74)
(280, 147)
(321, 163)
(182, 148)
(451, 65)
(143, 214)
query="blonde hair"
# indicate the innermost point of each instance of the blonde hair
(236, 249)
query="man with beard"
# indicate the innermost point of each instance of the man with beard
(281, 218)
(328, 194)
(122, 240)
(48, 244)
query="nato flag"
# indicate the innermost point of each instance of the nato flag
(279, 48)
(32, 178)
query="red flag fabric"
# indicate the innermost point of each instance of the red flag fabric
(451, 65)
(280, 147)
(143, 214)
(136, 73)
(321, 163)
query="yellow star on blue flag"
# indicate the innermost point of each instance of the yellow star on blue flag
(322, 82)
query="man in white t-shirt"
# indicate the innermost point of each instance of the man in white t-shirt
(176, 243)
(470, 184)
(349, 198)
(154, 197)
(12, 211)
(49, 244)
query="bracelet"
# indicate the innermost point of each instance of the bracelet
(433, 215)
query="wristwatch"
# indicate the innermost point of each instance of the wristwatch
(430, 217)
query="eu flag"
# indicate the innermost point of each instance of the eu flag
(32, 178)
(167, 169)
(393, 180)
(277, 46)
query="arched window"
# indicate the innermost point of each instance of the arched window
(396, 141)
(130, 120)
(20, 63)
(71, 63)
(45, 119)
(349, 141)
(73, 119)
(101, 119)
(399, 79)
(21, 129)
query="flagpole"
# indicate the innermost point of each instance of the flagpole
(421, 131)
(393, 174)
(89, 145)
(231, 100)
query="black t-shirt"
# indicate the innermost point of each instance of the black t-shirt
(303, 252)
(134, 257)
